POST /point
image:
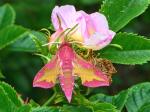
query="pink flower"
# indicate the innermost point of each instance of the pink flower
(92, 30)
(64, 66)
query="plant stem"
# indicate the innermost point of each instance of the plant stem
(51, 98)
(88, 91)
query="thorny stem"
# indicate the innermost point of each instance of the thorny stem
(51, 98)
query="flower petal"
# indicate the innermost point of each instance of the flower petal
(66, 15)
(98, 41)
(100, 22)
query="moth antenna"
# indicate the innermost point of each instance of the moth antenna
(71, 29)
(59, 21)
(46, 31)
(58, 36)
(41, 55)
(63, 32)
(77, 42)
(51, 43)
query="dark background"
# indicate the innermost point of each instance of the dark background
(19, 68)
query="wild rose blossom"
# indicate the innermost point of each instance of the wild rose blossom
(92, 30)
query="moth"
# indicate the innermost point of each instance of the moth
(65, 66)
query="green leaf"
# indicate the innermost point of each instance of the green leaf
(121, 12)
(38, 43)
(45, 109)
(118, 100)
(11, 93)
(24, 108)
(67, 108)
(26, 44)
(145, 108)
(138, 98)
(94, 106)
(10, 34)
(6, 105)
(7, 15)
(104, 107)
(33, 103)
(136, 49)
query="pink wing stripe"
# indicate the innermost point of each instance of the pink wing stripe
(96, 83)
(44, 84)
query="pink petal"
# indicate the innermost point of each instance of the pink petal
(43, 84)
(100, 22)
(67, 84)
(81, 20)
(98, 41)
(95, 30)
(66, 14)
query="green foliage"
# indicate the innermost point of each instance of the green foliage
(138, 98)
(10, 34)
(118, 100)
(7, 16)
(136, 49)
(33, 103)
(45, 109)
(19, 37)
(145, 108)
(104, 107)
(135, 99)
(67, 108)
(11, 93)
(28, 44)
(24, 108)
(5, 103)
(9, 101)
(121, 12)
